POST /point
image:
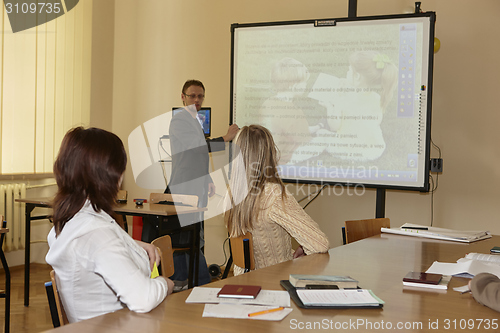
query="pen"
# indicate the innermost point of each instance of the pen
(265, 311)
(467, 291)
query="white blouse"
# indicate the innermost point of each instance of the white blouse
(100, 268)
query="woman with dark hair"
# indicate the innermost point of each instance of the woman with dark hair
(99, 267)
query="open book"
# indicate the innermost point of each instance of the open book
(489, 258)
(415, 230)
(331, 297)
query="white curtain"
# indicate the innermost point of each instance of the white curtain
(44, 88)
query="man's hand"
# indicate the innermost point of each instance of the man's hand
(211, 189)
(231, 132)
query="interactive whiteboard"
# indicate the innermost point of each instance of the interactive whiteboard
(347, 100)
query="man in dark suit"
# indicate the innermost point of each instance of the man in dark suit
(190, 167)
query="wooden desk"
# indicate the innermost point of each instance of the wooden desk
(379, 263)
(129, 208)
(149, 209)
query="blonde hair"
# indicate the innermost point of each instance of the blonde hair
(287, 72)
(374, 69)
(250, 174)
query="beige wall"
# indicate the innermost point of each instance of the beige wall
(159, 44)
(101, 97)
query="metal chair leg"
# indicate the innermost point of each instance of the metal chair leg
(6, 294)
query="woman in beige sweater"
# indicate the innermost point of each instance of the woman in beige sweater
(261, 204)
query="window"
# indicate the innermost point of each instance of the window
(44, 88)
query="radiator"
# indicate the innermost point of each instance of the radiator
(13, 213)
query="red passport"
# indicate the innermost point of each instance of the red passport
(421, 277)
(239, 291)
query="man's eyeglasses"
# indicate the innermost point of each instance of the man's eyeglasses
(193, 96)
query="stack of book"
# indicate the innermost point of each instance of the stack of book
(426, 280)
(416, 230)
(322, 281)
(488, 258)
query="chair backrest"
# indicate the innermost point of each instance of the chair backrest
(164, 245)
(359, 229)
(185, 199)
(63, 319)
(122, 196)
(6, 293)
(3, 229)
(238, 251)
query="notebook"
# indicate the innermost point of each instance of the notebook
(239, 291)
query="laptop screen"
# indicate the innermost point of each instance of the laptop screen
(204, 117)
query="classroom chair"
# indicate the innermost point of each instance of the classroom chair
(191, 200)
(57, 312)
(6, 293)
(359, 229)
(122, 195)
(242, 251)
(164, 246)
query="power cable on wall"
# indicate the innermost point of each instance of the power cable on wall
(317, 193)
(434, 185)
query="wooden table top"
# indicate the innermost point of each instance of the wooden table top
(129, 208)
(155, 209)
(42, 202)
(379, 263)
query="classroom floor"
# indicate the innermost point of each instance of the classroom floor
(36, 317)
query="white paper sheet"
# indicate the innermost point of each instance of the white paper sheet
(348, 297)
(265, 297)
(464, 265)
(241, 311)
(408, 229)
(462, 289)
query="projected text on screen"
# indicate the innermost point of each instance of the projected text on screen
(345, 103)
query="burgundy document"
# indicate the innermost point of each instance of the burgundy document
(421, 277)
(239, 291)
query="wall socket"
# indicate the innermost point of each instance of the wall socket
(436, 165)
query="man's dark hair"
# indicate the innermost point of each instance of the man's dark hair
(190, 83)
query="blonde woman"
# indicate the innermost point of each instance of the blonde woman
(261, 204)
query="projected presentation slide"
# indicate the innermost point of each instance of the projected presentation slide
(345, 103)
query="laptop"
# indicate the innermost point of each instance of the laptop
(204, 118)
